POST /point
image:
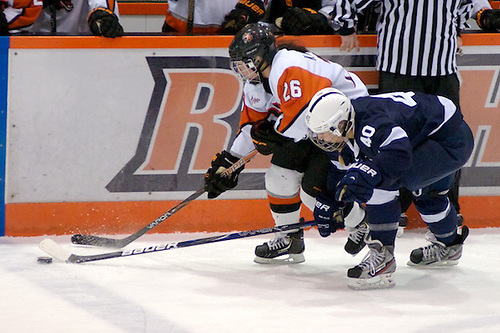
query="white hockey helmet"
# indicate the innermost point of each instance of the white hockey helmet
(329, 111)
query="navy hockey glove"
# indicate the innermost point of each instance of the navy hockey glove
(328, 216)
(215, 183)
(304, 21)
(358, 183)
(488, 19)
(265, 139)
(103, 22)
(245, 12)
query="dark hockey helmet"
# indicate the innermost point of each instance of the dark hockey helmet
(252, 48)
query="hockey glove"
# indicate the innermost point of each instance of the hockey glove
(358, 183)
(304, 21)
(489, 19)
(4, 25)
(327, 215)
(215, 183)
(59, 4)
(265, 139)
(103, 22)
(245, 12)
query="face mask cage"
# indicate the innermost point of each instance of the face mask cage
(325, 145)
(246, 70)
(344, 127)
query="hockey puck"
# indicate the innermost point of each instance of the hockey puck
(44, 260)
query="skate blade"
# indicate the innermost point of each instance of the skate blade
(290, 259)
(383, 281)
(436, 264)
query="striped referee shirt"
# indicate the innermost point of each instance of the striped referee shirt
(415, 37)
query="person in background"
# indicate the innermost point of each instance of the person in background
(301, 17)
(279, 81)
(416, 51)
(99, 17)
(210, 17)
(291, 17)
(17, 15)
(402, 139)
(487, 19)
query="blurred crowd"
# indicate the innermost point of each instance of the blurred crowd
(291, 17)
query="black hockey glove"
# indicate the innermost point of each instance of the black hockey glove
(59, 4)
(245, 12)
(489, 19)
(215, 183)
(358, 183)
(327, 215)
(265, 139)
(305, 21)
(103, 22)
(4, 25)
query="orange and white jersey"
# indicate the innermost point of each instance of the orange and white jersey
(22, 13)
(257, 104)
(73, 21)
(208, 15)
(294, 79)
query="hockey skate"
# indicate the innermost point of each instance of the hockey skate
(375, 270)
(282, 249)
(403, 222)
(437, 254)
(356, 239)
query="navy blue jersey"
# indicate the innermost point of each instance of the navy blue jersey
(389, 126)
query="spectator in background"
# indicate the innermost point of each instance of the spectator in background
(16, 15)
(211, 17)
(487, 19)
(416, 52)
(291, 17)
(301, 17)
(99, 17)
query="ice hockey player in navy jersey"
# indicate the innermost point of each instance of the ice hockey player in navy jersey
(405, 139)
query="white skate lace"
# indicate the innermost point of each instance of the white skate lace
(372, 260)
(358, 234)
(278, 243)
(434, 251)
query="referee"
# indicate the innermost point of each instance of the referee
(417, 46)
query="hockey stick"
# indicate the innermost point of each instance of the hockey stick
(62, 254)
(119, 243)
(190, 18)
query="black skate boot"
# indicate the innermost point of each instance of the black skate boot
(291, 246)
(375, 270)
(437, 254)
(356, 239)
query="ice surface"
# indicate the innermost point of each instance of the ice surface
(217, 288)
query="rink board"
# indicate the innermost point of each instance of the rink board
(116, 132)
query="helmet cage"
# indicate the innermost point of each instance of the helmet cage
(246, 70)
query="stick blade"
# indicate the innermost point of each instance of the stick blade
(80, 239)
(52, 248)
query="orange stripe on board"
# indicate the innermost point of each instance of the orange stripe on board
(141, 8)
(163, 42)
(127, 42)
(480, 39)
(35, 219)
